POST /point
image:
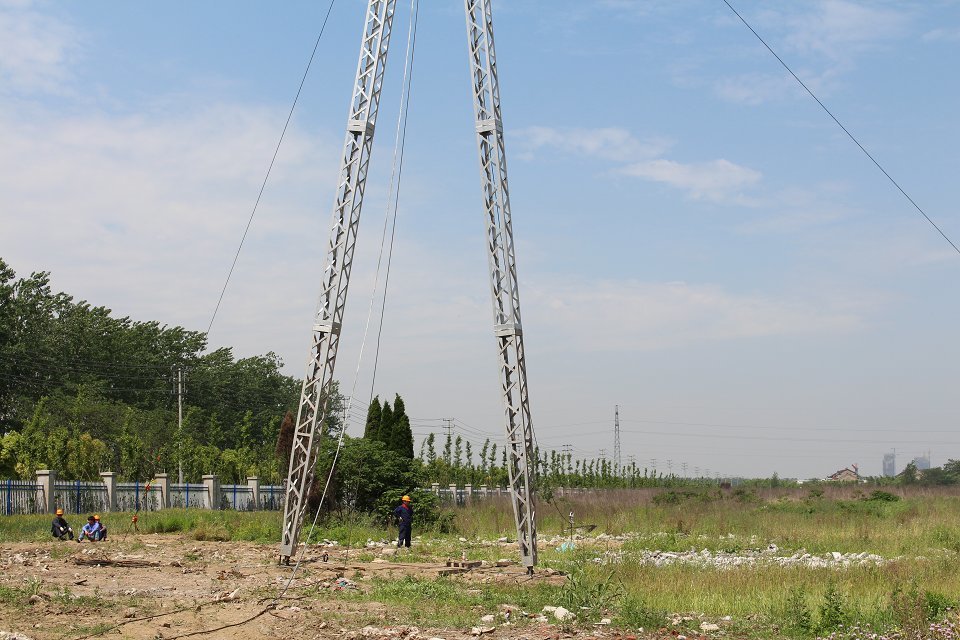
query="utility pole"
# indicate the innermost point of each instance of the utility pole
(180, 424)
(684, 467)
(616, 440)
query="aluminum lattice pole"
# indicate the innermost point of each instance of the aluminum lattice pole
(503, 274)
(318, 381)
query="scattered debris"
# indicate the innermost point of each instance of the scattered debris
(479, 631)
(562, 614)
(108, 562)
(464, 564)
(343, 584)
(225, 596)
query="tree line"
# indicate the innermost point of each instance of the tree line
(83, 391)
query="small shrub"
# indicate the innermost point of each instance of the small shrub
(937, 604)
(211, 532)
(675, 496)
(947, 537)
(164, 523)
(909, 610)
(797, 616)
(832, 612)
(883, 496)
(583, 592)
(636, 613)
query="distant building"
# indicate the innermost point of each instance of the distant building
(849, 474)
(922, 462)
(889, 465)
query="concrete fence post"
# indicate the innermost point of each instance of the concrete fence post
(162, 483)
(435, 488)
(212, 485)
(109, 479)
(46, 483)
(254, 483)
(483, 490)
(468, 492)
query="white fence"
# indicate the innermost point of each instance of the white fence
(20, 496)
(46, 494)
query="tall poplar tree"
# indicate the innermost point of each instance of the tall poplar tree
(371, 431)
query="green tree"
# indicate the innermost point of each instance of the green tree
(371, 430)
(385, 432)
(401, 435)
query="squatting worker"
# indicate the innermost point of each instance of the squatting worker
(404, 516)
(60, 529)
(102, 533)
(90, 531)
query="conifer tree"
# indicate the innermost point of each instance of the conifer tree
(371, 430)
(385, 432)
(448, 450)
(483, 455)
(401, 437)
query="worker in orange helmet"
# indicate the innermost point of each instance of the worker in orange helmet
(102, 533)
(404, 516)
(60, 529)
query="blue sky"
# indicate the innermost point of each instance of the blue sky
(697, 241)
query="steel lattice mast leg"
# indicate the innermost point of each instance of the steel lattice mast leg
(503, 274)
(346, 216)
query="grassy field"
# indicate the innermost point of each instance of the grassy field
(917, 534)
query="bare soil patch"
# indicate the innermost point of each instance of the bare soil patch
(163, 587)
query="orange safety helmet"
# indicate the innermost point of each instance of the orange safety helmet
(96, 517)
(405, 499)
(59, 512)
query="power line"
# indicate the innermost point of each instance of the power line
(396, 171)
(845, 130)
(276, 151)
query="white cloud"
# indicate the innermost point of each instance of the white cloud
(821, 44)
(628, 315)
(758, 88)
(942, 35)
(609, 143)
(714, 180)
(838, 29)
(144, 212)
(34, 48)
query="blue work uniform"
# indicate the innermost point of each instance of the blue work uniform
(404, 513)
(92, 532)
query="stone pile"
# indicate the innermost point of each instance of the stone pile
(746, 558)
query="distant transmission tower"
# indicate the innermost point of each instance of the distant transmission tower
(616, 440)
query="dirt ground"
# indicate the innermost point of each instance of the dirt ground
(163, 587)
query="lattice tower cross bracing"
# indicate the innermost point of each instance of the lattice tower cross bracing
(501, 259)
